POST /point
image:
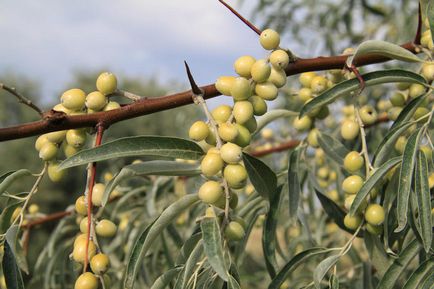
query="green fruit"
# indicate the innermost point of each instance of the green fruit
(398, 99)
(266, 90)
(393, 113)
(231, 153)
(210, 192)
(73, 99)
(40, 141)
(251, 124)
(86, 281)
(349, 201)
(106, 83)
(76, 137)
(352, 184)
(260, 71)
(227, 132)
(243, 139)
(198, 131)
(318, 84)
(97, 194)
(211, 164)
(353, 162)
(420, 111)
(234, 231)
(111, 105)
(368, 115)
(48, 151)
(277, 77)
(242, 111)
(69, 150)
(374, 214)
(349, 129)
(56, 136)
(323, 112)
(305, 94)
(352, 222)
(279, 59)
(302, 124)
(241, 89)
(374, 230)
(259, 105)
(99, 263)
(211, 138)
(400, 144)
(403, 85)
(80, 206)
(415, 90)
(243, 65)
(306, 78)
(54, 173)
(235, 175)
(96, 101)
(312, 137)
(269, 39)
(106, 228)
(221, 113)
(224, 84)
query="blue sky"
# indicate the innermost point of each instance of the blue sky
(49, 40)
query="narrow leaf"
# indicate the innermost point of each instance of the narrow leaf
(294, 189)
(12, 274)
(165, 279)
(423, 272)
(262, 177)
(10, 177)
(430, 16)
(322, 269)
(17, 250)
(137, 146)
(423, 200)
(272, 116)
(408, 111)
(377, 255)
(233, 283)
(333, 148)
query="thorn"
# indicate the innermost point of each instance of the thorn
(244, 20)
(194, 88)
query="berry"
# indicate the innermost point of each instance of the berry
(318, 84)
(394, 112)
(106, 83)
(374, 214)
(224, 84)
(86, 281)
(221, 113)
(305, 94)
(398, 99)
(269, 39)
(99, 263)
(267, 133)
(420, 111)
(211, 164)
(260, 71)
(69, 150)
(231, 153)
(105, 228)
(111, 105)
(333, 195)
(97, 194)
(306, 78)
(302, 124)
(400, 144)
(83, 225)
(251, 124)
(428, 71)
(415, 90)
(259, 105)
(266, 90)
(73, 99)
(349, 201)
(277, 77)
(227, 132)
(323, 173)
(60, 107)
(235, 175)
(242, 111)
(96, 101)
(80, 238)
(48, 151)
(76, 137)
(241, 89)
(78, 254)
(211, 138)
(198, 131)
(427, 151)
(312, 137)
(56, 136)
(352, 222)
(243, 65)
(353, 162)
(374, 230)
(349, 129)
(244, 137)
(210, 192)
(234, 231)
(54, 173)
(40, 141)
(352, 184)
(279, 59)
(33, 209)
(368, 115)
(323, 112)
(80, 206)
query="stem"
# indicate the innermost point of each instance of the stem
(244, 20)
(368, 165)
(128, 95)
(22, 99)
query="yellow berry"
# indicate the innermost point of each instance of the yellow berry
(243, 138)
(79, 251)
(269, 39)
(61, 108)
(211, 138)
(353, 162)
(69, 150)
(420, 111)
(80, 206)
(333, 195)
(198, 131)
(374, 230)
(227, 132)
(251, 124)
(398, 99)
(349, 129)
(266, 90)
(428, 71)
(231, 153)
(427, 151)
(111, 105)
(76, 137)
(48, 151)
(318, 84)
(33, 209)
(394, 112)
(54, 173)
(259, 105)
(234, 231)
(97, 194)
(374, 214)
(73, 99)
(302, 124)
(415, 90)
(279, 59)
(349, 201)
(306, 78)
(352, 222)
(40, 141)
(277, 77)
(312, 137)
(352, 184)
(211, 164)
(106, 83)
(221, 113)
(304, 94)
(105, 228)
(241, 89)
(96, 101)
(224, 84)
(267, 133)
(235, 175)
(86, 281)
(260, 71)
(99, 263)
(210, 192)
(56, 136)
(243, 65)
(242, 111)
(368, 115)
(400, 144)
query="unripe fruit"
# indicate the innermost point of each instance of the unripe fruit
(241, 89)
(224, 84)
(394, 112)
(318, 84)
(353, 162)
(374, 230)
(80, 206)
(279, 59)
(111, 105)
(266, 90)
(56, 136)
(277, 77)
(48, 151)
(243, 65)
(69, 150)
(312, 137)
(323, 112)
(306, 78)
(383, 105)
(76, 137)
(415, 90)
(210, 192)
(403, 85)
(40, 141)
(260, 71)
(97, 194)
(235, 175)
(234, 231)
(198, 131)
(251, 124)
(242, 111)
(78, 254)
(244, 136)
(368, 115)
(420, 111)
(54, 173)
(99, 263)
(302, 124)
(106, 83)
(352, 184)
(73, 99)
(105, 228)
(352, 222)
(231, 153)
(86, 281)
(428, 71)
(227, 131)
(259, 105)
(398, 99)
(211, 138)
(269, 39)
(400, 144)
(374, 214)
(233, 201)
(349, 129)
(305, 94)
(96, 101)
(349, 201)
(211, 164)
(221, 113)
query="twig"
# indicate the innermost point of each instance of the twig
(47, 218)
(129, 95)
(244, 20)
(21, 98)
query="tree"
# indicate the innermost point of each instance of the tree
(340, 198)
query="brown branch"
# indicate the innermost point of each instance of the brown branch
(21, 98)
(60, 121)
(47, 218)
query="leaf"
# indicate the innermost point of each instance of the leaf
(17, 250)
(294, 189)
(377, 255)
(12, 274)
(422, 273)
(269, 233)
(371, 78)
(405, 177)
(233, 283)
(158, 167)
(334, 282)
(370, 183)
(423, 200)
(322, 269)
(261, 176)
(6, 216)
(430, 16)
(408, 111)
(333, 148)
(395, 270)
(292, 265)
(165, 279)
(145, 239)
(383, 48)
(213, 248)
(8, 178)
(136, 146)
(190, 264)
(272, 116)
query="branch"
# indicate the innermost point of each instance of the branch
(21, 98)
(47, 218)
(60, 121)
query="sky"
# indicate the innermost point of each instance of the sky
(49, 40)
